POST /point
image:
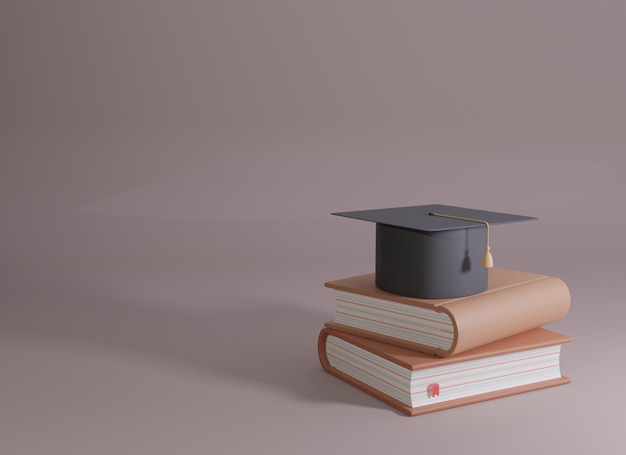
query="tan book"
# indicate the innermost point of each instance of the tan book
(514, 302)
(416, 383)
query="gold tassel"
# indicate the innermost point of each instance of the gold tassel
(487, 258)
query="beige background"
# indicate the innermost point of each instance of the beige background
(167, 170)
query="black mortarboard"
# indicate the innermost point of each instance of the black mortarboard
(432, 251)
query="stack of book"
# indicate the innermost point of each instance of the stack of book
(421, 355)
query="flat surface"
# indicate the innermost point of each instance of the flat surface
(422, 218)
(167, 174)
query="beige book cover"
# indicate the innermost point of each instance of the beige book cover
(514, 302)
(417, 383)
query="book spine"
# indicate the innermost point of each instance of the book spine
(490, 317)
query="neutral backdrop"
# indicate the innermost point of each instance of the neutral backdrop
(167, 174)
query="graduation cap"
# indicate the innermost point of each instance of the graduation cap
(433, 251)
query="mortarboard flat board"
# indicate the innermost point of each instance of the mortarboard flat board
(422, 252)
